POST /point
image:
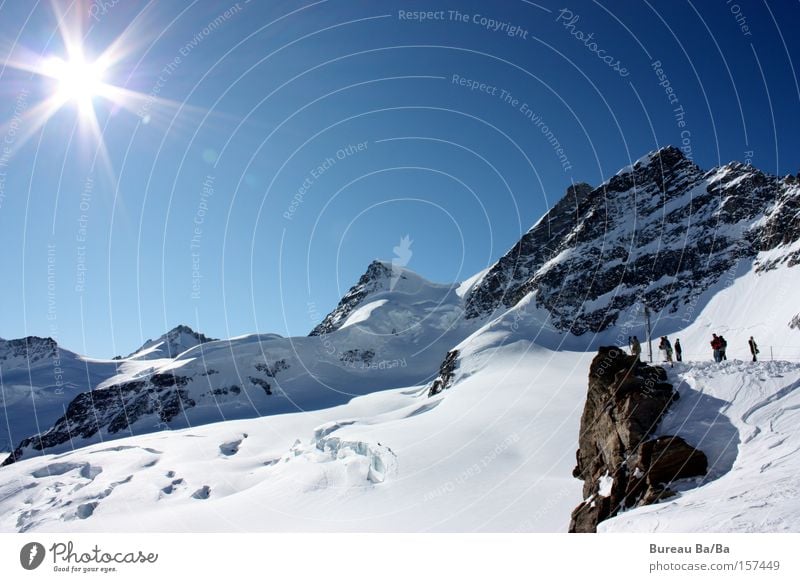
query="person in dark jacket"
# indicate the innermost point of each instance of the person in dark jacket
(666, 350)
(753, 348)
(723, 343)
(678, 351)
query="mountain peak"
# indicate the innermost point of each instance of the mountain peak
(377, 270)
(669, 151)
(668, 155)
(662, 159)
(377, 277)
(30, 349)
(169, 345)
(381, 277)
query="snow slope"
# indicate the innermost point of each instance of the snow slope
(492, 454)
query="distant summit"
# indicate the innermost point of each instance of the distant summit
(171, 344)
(379, 276)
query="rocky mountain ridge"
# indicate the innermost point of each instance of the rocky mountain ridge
(660, 233)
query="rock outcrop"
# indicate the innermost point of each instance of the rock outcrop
(621, 464)
(446, 374)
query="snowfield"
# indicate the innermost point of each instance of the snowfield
(494, 453)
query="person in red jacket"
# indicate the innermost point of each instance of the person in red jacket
(716, 346)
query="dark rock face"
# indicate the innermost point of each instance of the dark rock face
(377, 277)
(114, 409)
(357, 357)
(661, 232)
(669, 458)
(31, 348)
(446, 373)
(620, 464)
(794, 323)
(270, 370)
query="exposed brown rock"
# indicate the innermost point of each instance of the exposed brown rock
(625, 403)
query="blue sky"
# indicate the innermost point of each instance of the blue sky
(276, 148)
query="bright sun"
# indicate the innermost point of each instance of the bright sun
(77, 79)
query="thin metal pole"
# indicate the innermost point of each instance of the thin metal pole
(649, 333)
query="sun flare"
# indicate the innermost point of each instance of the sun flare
(76, 79)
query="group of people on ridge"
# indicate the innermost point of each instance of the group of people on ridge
(664, 345)
(719, 346)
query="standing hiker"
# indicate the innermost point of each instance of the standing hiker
(678, 351)
(723, 347)
(716, 346)
(636, 347)
(666, 350)
(753, 348)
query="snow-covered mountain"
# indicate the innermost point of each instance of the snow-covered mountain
(38, 379)
(392, 332)
(170, 345)
(419, 406)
